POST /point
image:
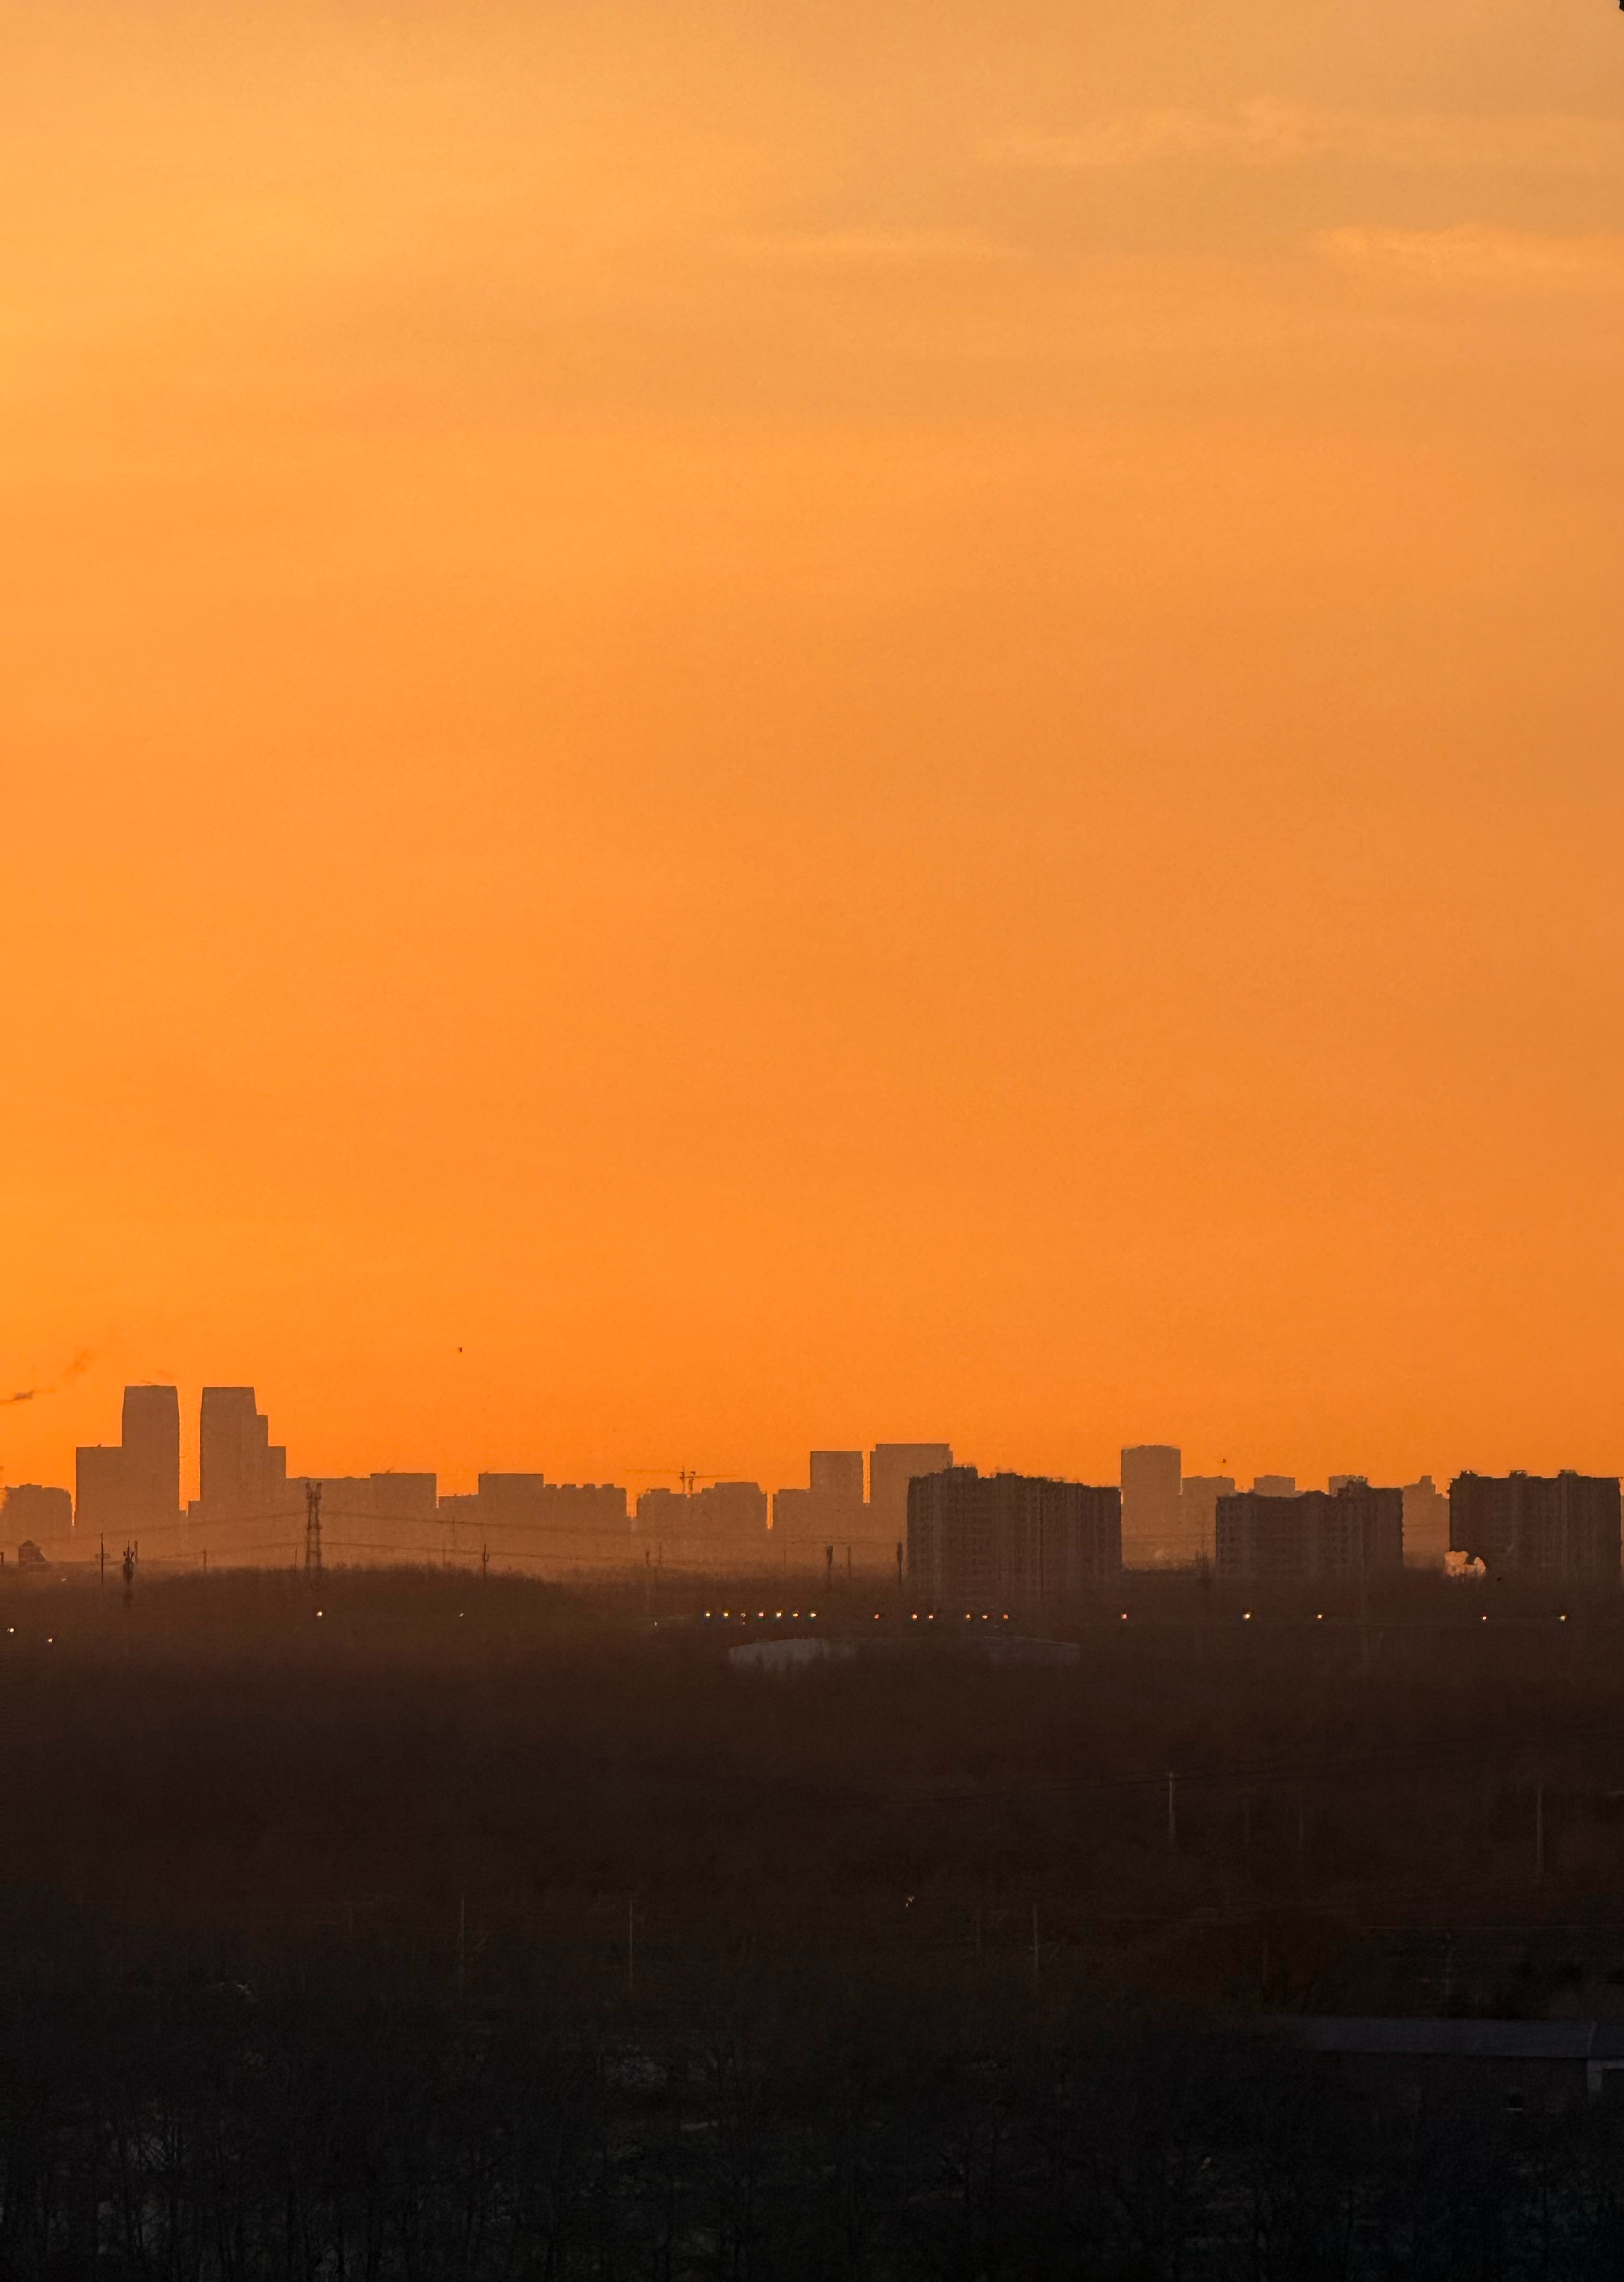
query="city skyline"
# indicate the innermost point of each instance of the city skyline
(1167, 1517)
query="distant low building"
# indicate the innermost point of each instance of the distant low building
(981, 1541)
(832, 1511)
(726, 1512)
(34, 1510)
(1565, 1527)
(1198, 1498)
(1354, 1531)
(531, 1502)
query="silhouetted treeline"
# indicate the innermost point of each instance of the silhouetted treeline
(217, 2135)
(404, 1784)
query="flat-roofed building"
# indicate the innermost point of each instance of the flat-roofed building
(242, 1476)
(1426, 1524)
(980, 1541)
(1152, 1490)
(1355, 1531)
(1563, 1527)
(34, 1510)
(124, 1487)
(892, 1466)
(832, 1511)
(1198, 1498)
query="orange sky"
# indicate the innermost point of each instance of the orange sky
(815, 721)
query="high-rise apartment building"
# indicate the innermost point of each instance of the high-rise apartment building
(1152, 1484)
(241, 1475)
(984, 1542)
(1355, 1531)
(892, 1466)
(134, 1484)
(1563, 1528)
(1275, 1486)
(1427, 1524)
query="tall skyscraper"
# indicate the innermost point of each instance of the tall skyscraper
(240, 1474)
(1152, 1482)
(892, 1466)
(134, 1484)
(152, 1432)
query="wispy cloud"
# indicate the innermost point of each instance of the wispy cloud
(1269, 133)
(860, 248)
(1471, 254)
(76, 1369)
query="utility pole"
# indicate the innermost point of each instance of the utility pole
(485, 1563)
(829, 1566)
(1539, 1830)
(129, 1574)
(312, 1528)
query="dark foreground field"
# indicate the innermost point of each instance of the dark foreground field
(427, 1925)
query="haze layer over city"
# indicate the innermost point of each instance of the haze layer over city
(811, 1375)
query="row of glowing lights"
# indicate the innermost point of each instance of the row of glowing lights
(744, 1618)
(743, 1615)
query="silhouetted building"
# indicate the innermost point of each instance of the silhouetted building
(367, 1507)
(1275, 1486)
(98, 1489)
(724, 1511)
(529, 1502)
(1427, 1524)
(1198, 1498)
(1531, 1524)
(832, 1511)
(135, 1483)
(1152, 1484)
(31, 1510)
(892, 1466)
(1357, 1531)
(241, 1475)
(980, 1541)
(838, 1474)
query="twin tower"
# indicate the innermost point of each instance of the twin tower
(135, 1484)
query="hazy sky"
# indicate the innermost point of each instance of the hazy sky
(744, 724)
